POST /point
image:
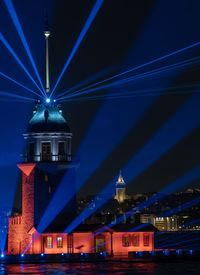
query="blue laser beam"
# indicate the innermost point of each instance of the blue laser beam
(86, 27)
(149, 74)
(142, 65)
(13, 95)
(170, 238)
(146, 92)
(92, 207)
(182, 207)
(18, 83)
(85, 82)
(180, 242)
(60, 199)
(12, 52)
(16, 22)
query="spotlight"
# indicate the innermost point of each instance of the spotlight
(178, 252)
(2, 255)
(22, 255)
(42, 254)
(62, 254)
(48, 100)
(166, 252)
(54, 100)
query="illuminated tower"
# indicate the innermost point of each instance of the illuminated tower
(120, 190)
(47, 162)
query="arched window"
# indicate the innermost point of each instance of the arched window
(59, 242)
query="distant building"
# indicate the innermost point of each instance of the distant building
(147, 218)
(120, 190)
(166, 223)
(161, 223)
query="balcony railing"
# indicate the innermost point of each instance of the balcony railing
(46, 158)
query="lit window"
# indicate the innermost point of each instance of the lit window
(126, 240)
(135, 240)
(49, 242)
(59, 242)
(146, 240)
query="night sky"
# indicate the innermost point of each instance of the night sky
(108, 133)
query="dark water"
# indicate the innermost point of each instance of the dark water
(184, 268)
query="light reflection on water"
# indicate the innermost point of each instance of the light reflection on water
(116, 268)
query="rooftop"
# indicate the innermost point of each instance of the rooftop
(48, 118)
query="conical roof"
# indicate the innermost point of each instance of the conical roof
(48, 118)
(120, 181)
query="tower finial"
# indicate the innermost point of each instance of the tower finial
(120, 180)
(47, 34)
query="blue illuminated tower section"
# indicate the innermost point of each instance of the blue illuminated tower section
(48, 147)
(46, 164)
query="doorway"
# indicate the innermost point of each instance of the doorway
(46, 151)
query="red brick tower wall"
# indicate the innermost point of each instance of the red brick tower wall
(19, 239)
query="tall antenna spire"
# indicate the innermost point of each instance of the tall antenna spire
(47, 34)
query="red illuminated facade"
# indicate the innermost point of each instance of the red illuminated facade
(87, 240)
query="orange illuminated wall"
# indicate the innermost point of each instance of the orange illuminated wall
(55, 249)
(83, 242)
(114, 243)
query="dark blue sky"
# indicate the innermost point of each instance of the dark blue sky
(108, 134)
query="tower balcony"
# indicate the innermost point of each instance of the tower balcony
(46, 158)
